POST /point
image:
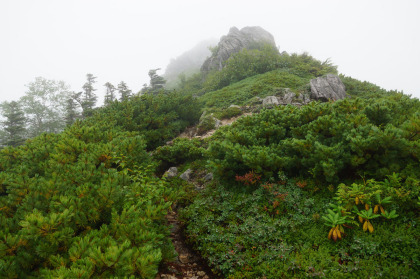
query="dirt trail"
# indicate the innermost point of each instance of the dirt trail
(190, 132)
(189, 264)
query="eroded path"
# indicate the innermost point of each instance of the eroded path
(189, 264)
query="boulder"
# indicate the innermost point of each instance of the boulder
(270, 101)
(235, 41)
(217, 123)
(186, 175)
(171, 172)
(208, 177)
(329, 87)
(291, 98)
(288, 96)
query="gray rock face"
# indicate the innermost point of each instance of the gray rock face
(327, 88)
(270, 101)
(234, 41)
(171, 172)
(186, 175)
(286, 97)
(208, 177)
(217, 123)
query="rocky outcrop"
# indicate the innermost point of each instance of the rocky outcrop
(270, 101)
(329, 87)
(186, 175)
(208, 177)
(171, 172)
(234, 41)
(187, 63)
(286, 97)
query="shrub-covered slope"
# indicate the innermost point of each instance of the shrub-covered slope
(325, 190)
(85, 203)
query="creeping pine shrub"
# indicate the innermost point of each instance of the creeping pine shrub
(76, 205)
(328, 142)
(229, 113)
(207, 123)
(179, 152)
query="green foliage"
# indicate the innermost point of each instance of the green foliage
(14, 125)
(77, 205)
(44, 103)
(207, 123)
(335, 220)
(328, 142)
(305, 65)
(274, 231)
(87, 203)
(259, 85)
(248, 63)
(71, 112)
(124, 91)
(156, 85)
(158, 118)
(363, 89)
(243, 64)
(109, 94)
(88, 97)
(228, 113)
(182, 150)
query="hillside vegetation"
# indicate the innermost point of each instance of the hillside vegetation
(327, 190)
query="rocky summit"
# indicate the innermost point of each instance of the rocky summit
(234, 41)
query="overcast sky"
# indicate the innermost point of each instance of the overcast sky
(377, 41)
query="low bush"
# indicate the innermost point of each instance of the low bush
(179, 152)
(82, 204)
(328, 142)
(274, 230)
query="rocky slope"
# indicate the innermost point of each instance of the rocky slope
(234, 41)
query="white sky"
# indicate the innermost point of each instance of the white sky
(376, 40)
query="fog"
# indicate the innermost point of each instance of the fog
(377, 41)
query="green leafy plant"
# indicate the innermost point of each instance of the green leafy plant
(335, 220)
(365, 217)
(379, 203)
(389, 215)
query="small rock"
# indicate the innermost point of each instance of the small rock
(171, 172)
(234, 106)
(217, 123)
(270, 101)
(288, 96)
(167, 276)
(183, 258)
(186, 175)
(201, 273)
(208, 177)
(206, 277)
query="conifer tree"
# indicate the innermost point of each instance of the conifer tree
(157, 82)
(109, 95)
(14, 125)
(89, 98)
(125, 92)
(71, 111)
